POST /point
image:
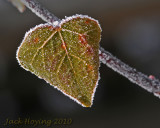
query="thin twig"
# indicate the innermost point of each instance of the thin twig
(40, 11)
(149, 84)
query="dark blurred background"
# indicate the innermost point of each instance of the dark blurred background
(131, 31)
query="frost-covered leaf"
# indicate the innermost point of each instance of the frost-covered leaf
(66, 56)
(18, 4)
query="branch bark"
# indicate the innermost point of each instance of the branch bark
(41, 11)
(150, 84)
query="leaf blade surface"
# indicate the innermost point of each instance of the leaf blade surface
(66, 56)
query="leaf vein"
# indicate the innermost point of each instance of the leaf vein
(78, 58)
(45, 42)
(61, 62)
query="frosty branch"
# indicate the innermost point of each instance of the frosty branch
(40, 11)
(150, 84)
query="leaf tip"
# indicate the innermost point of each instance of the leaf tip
(85, 101)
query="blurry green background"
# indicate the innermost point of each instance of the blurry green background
(131, 31)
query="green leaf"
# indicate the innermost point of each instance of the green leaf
(66, 56)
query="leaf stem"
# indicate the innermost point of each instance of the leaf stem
(40, 11)
(149, 84)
